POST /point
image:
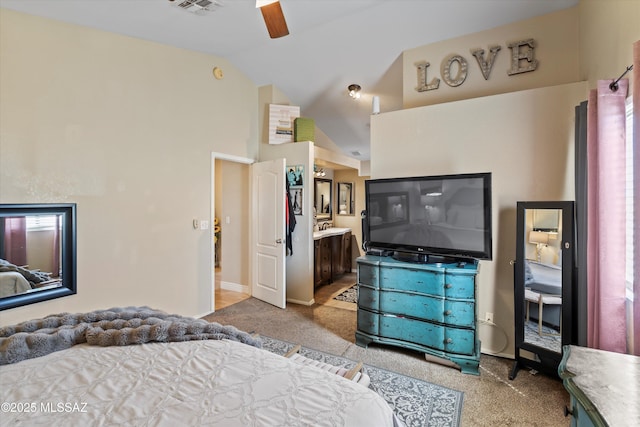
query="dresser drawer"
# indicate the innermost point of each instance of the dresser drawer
(368, 275)
(368, 322)
(404, 279)
(451, 340)
(435, 309)
(460, 286)
(368, 298)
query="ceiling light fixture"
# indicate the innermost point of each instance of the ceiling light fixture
(354, 91)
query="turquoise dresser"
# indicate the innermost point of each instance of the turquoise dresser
(425, 307)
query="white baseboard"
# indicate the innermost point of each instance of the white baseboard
(201, 315)
(295, 301)
(235, 287)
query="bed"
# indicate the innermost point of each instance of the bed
(544, 278)
(18, 280)
(193, 380)
(12, 283)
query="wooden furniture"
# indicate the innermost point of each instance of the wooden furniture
(603, 387)
(356, 373)
(322, 257)
(425, 307)
(332, 256)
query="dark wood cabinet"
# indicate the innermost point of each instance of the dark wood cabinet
(322, 256)
(337, 256)
(332, 255)
(346, 250)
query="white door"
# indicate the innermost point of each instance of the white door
(268, 232)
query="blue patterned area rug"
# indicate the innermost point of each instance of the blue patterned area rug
(417, 403)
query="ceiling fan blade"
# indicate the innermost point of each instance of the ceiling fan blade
(274, 20)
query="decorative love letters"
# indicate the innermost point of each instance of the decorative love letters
(522, 61)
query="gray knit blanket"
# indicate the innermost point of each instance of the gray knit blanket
(113, 327)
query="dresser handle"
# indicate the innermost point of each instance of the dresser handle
(567, 412)
(447, 313)
(448, 341)
(448, 286)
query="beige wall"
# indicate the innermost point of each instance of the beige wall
(40, 253)
(556, 50)
(124, 128)
(608, 30)
(354, 222)
(525, 139)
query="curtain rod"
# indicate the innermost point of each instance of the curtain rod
(614, 86)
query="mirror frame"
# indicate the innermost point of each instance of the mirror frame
(322, 216)
(548, 360)
(352, 201)
(67, 251)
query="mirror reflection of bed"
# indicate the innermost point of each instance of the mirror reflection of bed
(29, 254)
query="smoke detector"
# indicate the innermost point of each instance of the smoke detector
(198, 7)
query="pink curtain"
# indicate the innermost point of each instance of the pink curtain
(606, 290)
(55, 262)
(15, 240)
(636, 197)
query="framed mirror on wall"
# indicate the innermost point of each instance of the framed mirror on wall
(346, 199)
(37, 253)
(544, 276)
(322, 199)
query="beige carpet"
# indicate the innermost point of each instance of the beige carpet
(490, 399)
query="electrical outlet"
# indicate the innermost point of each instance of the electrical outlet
(488, 317)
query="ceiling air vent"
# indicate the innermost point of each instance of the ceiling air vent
(199, 7)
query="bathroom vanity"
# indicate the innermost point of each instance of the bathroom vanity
(332, 254)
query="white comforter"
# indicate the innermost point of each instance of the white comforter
(12, 283)
(194, 383)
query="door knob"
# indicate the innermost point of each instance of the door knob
(278, 241)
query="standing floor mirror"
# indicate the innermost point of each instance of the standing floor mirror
(543, 280)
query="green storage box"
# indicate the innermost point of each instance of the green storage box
(304, 129)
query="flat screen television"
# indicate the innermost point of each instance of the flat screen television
(443, 215)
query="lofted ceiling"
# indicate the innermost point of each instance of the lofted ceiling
(331, 44)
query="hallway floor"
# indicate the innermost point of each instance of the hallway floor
(323, 294)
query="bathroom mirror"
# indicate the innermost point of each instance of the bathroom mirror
(544, 276)
(37, 253)
(346, 201)
(322, 199)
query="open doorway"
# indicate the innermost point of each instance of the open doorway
(230, 237)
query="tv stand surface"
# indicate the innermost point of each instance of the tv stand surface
(430, 258)
(429, 307)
